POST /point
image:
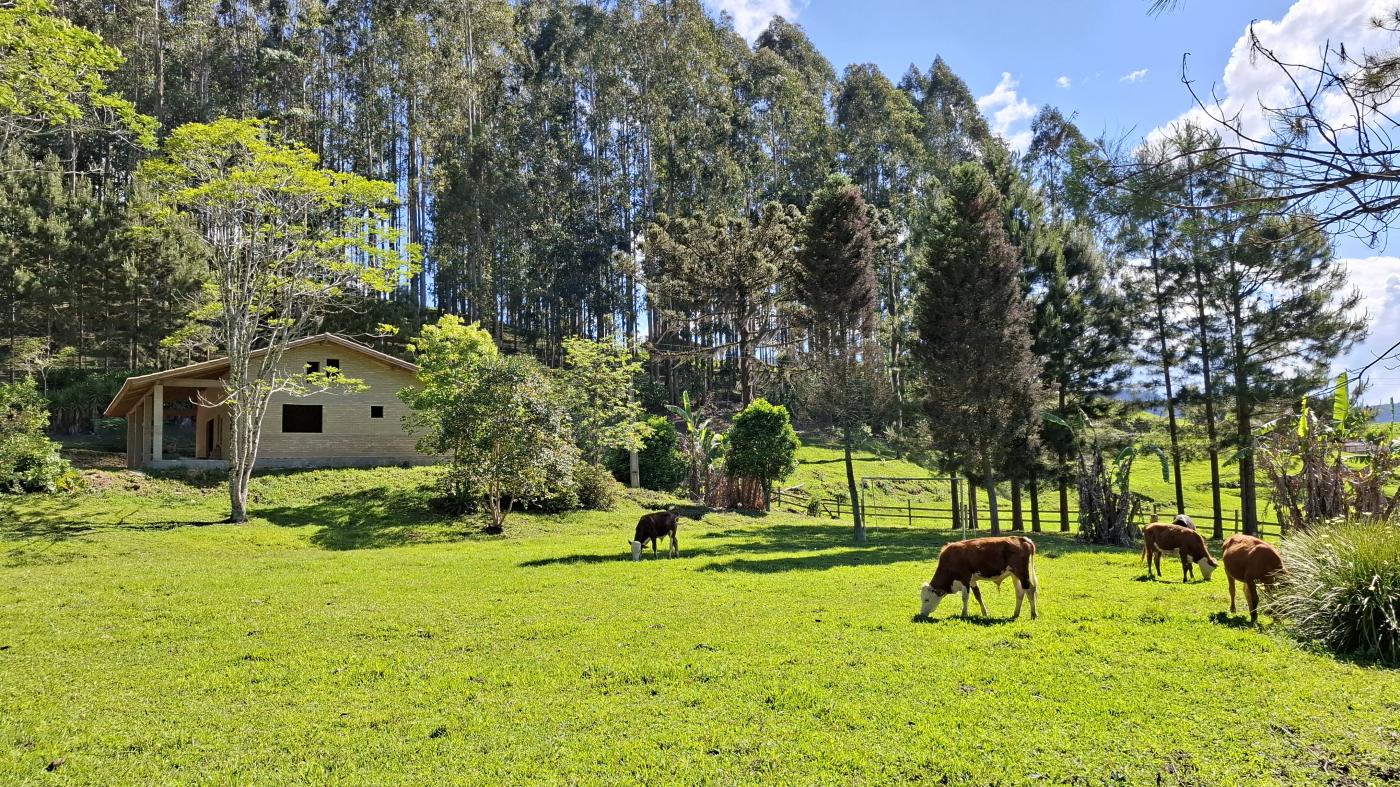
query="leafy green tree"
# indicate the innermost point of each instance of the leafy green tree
(51, 76)
(596, 382)
(761, 445)
(836, 283)
(285, 240)
(660, 461)
(974, 332)
(29, 460)
(502, 427)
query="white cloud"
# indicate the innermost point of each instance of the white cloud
(1007, 110)
(1378, 279)
(752, 16)
(1064, 82)
(1133, 76)
(1306, 30)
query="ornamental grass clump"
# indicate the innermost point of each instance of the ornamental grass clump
(1341, 589)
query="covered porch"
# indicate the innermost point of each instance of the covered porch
(157, 405)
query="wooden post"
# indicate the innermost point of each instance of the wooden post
(1237, 520)
(157, 422)
(838, 508)
(635, 469)
(909, 509)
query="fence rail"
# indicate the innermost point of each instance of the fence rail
(910, 513)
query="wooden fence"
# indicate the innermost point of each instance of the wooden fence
(912, 512)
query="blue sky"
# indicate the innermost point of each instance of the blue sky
(1116, 68)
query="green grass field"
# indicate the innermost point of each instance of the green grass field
(348, 636)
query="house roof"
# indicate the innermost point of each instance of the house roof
(135, 388)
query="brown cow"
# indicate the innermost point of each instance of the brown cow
(962, 564)
(652, 527)
(1160, 538)
(1253, 562)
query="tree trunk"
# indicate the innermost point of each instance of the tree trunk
(1064, 473)
(1244, 433)
(1167, 380)
(992, 511)
(971, 504)
(851, 487)
(1017, 524)
(1035, 503)
(1208, 390)
(956, 487)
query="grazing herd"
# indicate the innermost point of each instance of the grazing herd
(963, 564)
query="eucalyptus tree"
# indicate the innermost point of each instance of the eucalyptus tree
(284, 240)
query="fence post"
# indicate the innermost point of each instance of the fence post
(1237, 520)
(838, 508)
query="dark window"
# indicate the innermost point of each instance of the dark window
(332, 363)
(301, 418)
(376, 411)
(313, 367)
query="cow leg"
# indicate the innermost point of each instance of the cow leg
(1157, 558)
(675, 548)
(1232, 594)
(964, 595)
(1185, 566)
(1252, 596)
(977, 594)
(1033, 591)
(1020, 593)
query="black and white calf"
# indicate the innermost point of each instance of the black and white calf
(652, 527)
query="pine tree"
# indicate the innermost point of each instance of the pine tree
(835, 282)
(974, 331)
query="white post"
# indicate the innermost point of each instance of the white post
(157, 421)
(636, 470)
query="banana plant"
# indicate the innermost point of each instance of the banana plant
(703, 444)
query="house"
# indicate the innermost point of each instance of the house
(319, 430)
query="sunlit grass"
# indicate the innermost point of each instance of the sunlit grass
(346, 635)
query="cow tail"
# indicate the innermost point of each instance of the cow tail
(1030, 564)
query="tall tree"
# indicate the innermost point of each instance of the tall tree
(284, 239)
(974, 331)
(835, 282)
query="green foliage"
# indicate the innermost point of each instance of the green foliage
(761, 444)
(596, 382)
(29, 460)
(528, 626)
(663, 466)
(1341, 589)
(498, 421)
(51, 76)
(596, 488)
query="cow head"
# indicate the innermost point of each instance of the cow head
(928, 598)
(636, 550)
(1206, 564)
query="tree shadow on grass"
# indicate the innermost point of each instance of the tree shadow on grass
(370, 519)
(34, 535)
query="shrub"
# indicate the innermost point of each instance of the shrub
(29, 460)
(663, 466)
(597, 489)
(1342, 589)
(762, 445)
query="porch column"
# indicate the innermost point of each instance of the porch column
(157, 421)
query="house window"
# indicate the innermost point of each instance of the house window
(301, 418)
(312, 367)
(333, 363)
(376, 411)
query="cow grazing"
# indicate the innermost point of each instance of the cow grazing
(1184, 521)
(652, 527)
(1253, 562)
(1160, 539)
(962, 564)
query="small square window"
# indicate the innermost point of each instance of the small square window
(313, 367)
(333, 363)
(376, 411)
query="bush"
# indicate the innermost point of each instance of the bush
(762, 444)
(663, 466)
(597, 489)
(29, 460)
(1341, 589)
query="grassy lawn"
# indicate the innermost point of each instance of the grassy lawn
(348, 636)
